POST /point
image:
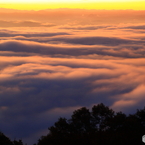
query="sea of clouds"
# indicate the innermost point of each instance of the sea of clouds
(48, 70)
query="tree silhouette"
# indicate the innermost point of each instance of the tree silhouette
(101, 126)
(101, 114)
(15, 142)
(4, 140)
(81, 121)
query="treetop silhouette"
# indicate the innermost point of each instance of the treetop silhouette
(101, 126)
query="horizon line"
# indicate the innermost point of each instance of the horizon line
(14, 9)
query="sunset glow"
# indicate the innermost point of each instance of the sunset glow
(81, 4)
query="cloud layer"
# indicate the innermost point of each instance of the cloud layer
(48, 72)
